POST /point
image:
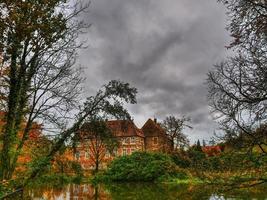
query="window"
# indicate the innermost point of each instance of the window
(133, 150)
(107, 155)
(87, 155)
(127, 140)
(155, 140)
(77, 155)
(124, 152)
(128, 151)
(133, 140)
(115, 152)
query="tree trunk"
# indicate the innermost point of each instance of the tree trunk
(96, 165)
(9, 133)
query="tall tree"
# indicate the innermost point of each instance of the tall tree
(238, 85)
(38, 80)
(174, 128)
(203, 143)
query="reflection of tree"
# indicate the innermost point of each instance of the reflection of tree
(44, 192)
(140, 191)
(143, 191)
(96, 195)
(86, 191)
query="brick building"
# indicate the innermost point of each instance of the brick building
(151, 137)
(156, 139)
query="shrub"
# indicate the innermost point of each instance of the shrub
(141, 166)
(181, 159)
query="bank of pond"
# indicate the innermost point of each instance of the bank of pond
(154, 176)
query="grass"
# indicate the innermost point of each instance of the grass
(189, 181)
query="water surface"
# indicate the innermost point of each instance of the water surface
(143, 191)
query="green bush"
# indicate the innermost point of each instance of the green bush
(181, 159)
(141, 166)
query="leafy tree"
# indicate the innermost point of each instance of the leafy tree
(34, 147)
(237, 86)
(197, 157)
(38, 80)
(174, 128)
(142, 166)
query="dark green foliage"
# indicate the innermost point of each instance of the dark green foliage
(141, 166)
(226, 161)
(181, 159)
(197, 157)
(234, 161)
(198, 146)
(77, 169)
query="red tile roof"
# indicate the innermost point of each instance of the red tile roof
(124, 128)
(212, 150)
(152, 128)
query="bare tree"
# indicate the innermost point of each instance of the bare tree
(174, 128)
(238, 85)
(97, 139)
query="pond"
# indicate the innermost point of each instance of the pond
(142, 191)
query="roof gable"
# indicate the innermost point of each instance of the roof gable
(124, 128)
(151, 128)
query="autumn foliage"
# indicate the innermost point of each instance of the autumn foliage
(33, 146)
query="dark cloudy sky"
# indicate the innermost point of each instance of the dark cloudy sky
(164, 48)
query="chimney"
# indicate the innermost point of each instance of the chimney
(155, 120)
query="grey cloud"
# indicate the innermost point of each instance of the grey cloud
(164, 48)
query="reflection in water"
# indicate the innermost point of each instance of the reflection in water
(72, 192)
(141, 191)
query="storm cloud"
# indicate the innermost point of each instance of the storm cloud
(163, 48)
